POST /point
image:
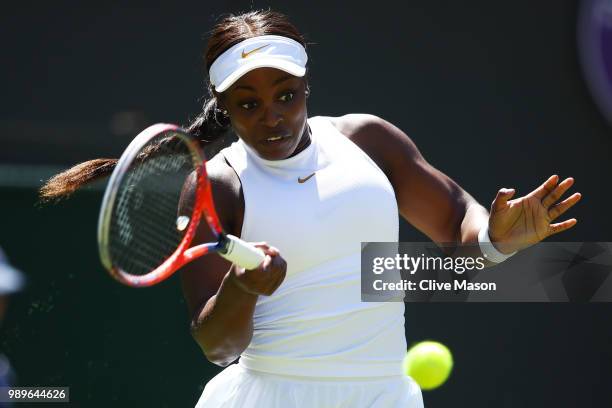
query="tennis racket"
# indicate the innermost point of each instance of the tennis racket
(152, 207)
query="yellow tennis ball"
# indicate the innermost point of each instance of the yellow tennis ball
(429, 363)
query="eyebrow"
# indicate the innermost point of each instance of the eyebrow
(276, 82)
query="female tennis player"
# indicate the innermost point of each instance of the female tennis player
(308, 191)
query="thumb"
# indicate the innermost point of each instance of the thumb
(501, 199)
(266, 262)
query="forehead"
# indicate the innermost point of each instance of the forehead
(261, 78)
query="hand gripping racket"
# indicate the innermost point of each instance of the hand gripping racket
(152, 207)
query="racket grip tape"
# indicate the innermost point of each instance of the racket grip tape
(242, 253)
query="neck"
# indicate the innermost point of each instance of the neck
(304, 140)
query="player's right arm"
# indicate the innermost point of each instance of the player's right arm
(220, 296)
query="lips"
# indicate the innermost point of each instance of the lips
(273, 145)
(276, 137)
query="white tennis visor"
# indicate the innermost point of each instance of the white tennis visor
(272, 51)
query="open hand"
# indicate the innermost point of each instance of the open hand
(519, 223)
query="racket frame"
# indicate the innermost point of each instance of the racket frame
(203, 196)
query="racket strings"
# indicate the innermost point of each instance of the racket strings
(149, 233)
(150, 198)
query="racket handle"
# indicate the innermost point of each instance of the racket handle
(242, 253)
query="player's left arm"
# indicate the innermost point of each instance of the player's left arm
(437, 206)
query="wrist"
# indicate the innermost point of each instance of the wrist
(488, 248)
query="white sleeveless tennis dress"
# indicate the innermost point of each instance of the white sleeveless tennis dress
(315, 344)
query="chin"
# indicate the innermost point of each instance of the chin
(277, 155)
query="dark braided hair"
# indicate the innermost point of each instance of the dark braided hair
(211, 124)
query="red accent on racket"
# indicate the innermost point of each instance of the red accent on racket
(152, 207)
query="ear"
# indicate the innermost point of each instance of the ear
(306, 88)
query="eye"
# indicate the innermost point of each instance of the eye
(248, 105)
(287, 97)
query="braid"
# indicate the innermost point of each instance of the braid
(211, 123)
(67, 182)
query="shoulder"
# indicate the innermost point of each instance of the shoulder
(384, 142)
(221, 173)
(353, 124)
(227, 193)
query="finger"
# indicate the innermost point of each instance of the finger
(279, 280)
(546, 188)
(279, 269)
(562, 226)
(557, 192)
(278, 263)
(502, 197)
(563, 206)
(267, 249)
(266, 263)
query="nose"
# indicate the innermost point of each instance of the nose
(271, 118)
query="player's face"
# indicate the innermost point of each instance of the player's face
(267, 108)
